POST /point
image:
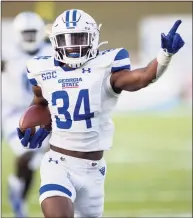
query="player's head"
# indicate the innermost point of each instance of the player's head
(75, 37)
(29, 31)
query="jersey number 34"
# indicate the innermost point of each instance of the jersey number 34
(83, 98)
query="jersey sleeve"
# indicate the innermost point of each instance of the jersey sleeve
(121, 61)
(36, 66)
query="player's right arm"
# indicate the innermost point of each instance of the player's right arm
(33, 67)
(27, 140)
(38, 97)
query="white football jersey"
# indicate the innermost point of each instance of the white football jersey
(80, 100)
(16, 89)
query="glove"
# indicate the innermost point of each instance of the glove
(32, 141)
(172, 42)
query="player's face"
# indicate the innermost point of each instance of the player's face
(75, 44)
(29, 35)
(76, 52)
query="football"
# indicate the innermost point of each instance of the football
(36, 115)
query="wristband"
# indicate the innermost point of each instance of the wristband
(163, 59)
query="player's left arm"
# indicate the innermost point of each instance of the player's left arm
(133, 80)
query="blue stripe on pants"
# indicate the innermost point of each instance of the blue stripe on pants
(54, 187)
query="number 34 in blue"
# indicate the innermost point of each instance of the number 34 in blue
(83, 98)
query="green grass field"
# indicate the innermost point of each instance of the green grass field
(149, 168)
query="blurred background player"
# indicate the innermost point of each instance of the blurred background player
(29, 35)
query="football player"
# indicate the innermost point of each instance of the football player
(81, 86)
(29, 33)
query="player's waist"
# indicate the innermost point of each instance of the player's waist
(94, 155)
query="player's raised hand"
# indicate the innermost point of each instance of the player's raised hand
(32, 141)
(172, 42)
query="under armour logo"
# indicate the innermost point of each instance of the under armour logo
(86, 70)
(51, 160)
(102, 170)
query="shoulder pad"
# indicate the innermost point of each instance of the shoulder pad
(121, 60)
(121, 53)
(39, 64)
(117, 59)
(107, 51)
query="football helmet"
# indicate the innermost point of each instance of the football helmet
(29, 31)
(75, 37)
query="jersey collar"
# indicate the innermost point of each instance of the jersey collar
(58, 64)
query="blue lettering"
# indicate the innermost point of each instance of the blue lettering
(69, 80)
(70, 84)
(74, 84)
(43, 76)
(54, 74)
(82, 101)
(49, 75)
(42, 57)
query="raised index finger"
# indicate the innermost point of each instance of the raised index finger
(175, 27)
